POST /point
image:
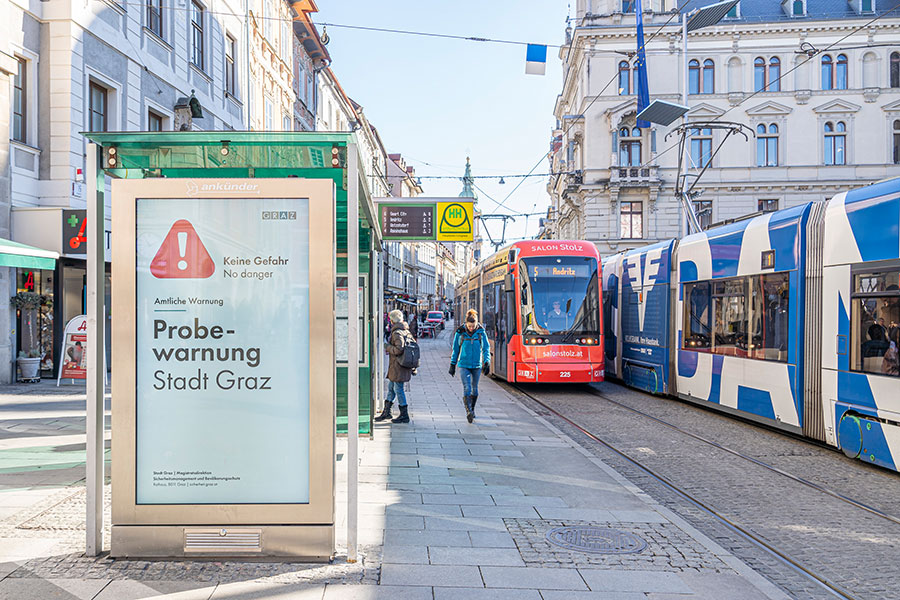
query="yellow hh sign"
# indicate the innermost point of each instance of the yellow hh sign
(455, 221)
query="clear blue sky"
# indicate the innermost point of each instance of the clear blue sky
(438, 100)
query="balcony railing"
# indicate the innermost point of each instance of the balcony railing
(633, 176)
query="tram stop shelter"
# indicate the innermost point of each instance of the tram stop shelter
(202, 156)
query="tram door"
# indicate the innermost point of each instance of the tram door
(502, 331)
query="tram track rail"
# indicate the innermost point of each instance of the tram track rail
(833, 588)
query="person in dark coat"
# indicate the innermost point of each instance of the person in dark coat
(414, 328)
(397, 374)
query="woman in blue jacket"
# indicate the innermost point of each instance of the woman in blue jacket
(473, 355)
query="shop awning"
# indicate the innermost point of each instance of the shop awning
(14, 254)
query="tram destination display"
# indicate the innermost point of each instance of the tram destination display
(407, 221)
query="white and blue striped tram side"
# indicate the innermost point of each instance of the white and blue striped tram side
(775, 318)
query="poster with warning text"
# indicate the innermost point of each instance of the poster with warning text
(222, 406)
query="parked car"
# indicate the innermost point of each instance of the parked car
(436, 318)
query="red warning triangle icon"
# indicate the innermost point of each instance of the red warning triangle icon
(182, 255)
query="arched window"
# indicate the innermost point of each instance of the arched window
(798, 8)
(759, 74)
(895, 69)
(835, 143)
(624, 78)
(774, 74)
(629, 147)
(709, 76)
(767, 145)
(840, 82)
(827, 73)
(694, 76)
(897, 142)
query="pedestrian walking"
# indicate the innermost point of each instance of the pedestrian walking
(397, 374)
(414, 328)
(473, 355)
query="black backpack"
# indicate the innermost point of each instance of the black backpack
(410, 356)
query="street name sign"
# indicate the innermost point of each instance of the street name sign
(427, 219)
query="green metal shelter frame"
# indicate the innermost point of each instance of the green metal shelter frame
(238, 154)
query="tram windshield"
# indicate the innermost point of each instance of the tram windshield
(560, 295)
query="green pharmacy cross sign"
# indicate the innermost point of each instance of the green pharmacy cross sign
(427, 219)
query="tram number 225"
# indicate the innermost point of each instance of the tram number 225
(565, 374)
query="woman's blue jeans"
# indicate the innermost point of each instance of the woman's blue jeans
(395, 388)
(470, 379)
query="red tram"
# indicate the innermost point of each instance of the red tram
(539, 302)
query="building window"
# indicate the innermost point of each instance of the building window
(709, 77)
(629, 147)
(628, 6)
(624, 78)
(798, 9)
(701, 147)
(897, 142)
(834, 74)
(632, 219)
(767, 77)
(895, 69)
(98, 107)
(154, 16)
(197, 30)
(230, 47)
(701, 80)
(875, 313)
(267, 20)
(269, 123)
(286, 42)
(285, 123)
(774, 78)
(703, 211)
(767, 145)
(734, 12)
(866, 6)
(835, 143)
(20, 102)
(767, 205)
(154, 121)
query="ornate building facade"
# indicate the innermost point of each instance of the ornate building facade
(817, 84)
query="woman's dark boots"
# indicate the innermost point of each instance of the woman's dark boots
(472, 411)
(404, 415)
(386, 413)
(469, 405)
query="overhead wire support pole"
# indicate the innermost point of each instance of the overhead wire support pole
(95, 387)
(352, 353)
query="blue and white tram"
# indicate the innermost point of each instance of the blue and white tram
(790, 318)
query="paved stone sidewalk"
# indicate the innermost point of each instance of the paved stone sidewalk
(448, 510)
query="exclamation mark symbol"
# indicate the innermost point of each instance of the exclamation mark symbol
(182, 248)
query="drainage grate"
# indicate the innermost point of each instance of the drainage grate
(599, 540)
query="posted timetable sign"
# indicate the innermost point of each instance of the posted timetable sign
(427, 219)
(225, 424)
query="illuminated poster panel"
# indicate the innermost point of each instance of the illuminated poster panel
(222, 351)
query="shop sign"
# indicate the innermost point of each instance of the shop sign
(73, 358)
(223, 402)
(74, 232)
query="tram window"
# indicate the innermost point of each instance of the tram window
(742, 316)
(488, 317)
(696, 316)
(769, 303)
(875, 322)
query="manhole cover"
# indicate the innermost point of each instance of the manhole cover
(600, 540)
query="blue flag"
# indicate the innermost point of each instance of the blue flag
(643, 88)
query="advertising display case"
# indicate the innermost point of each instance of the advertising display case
(224, 419)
